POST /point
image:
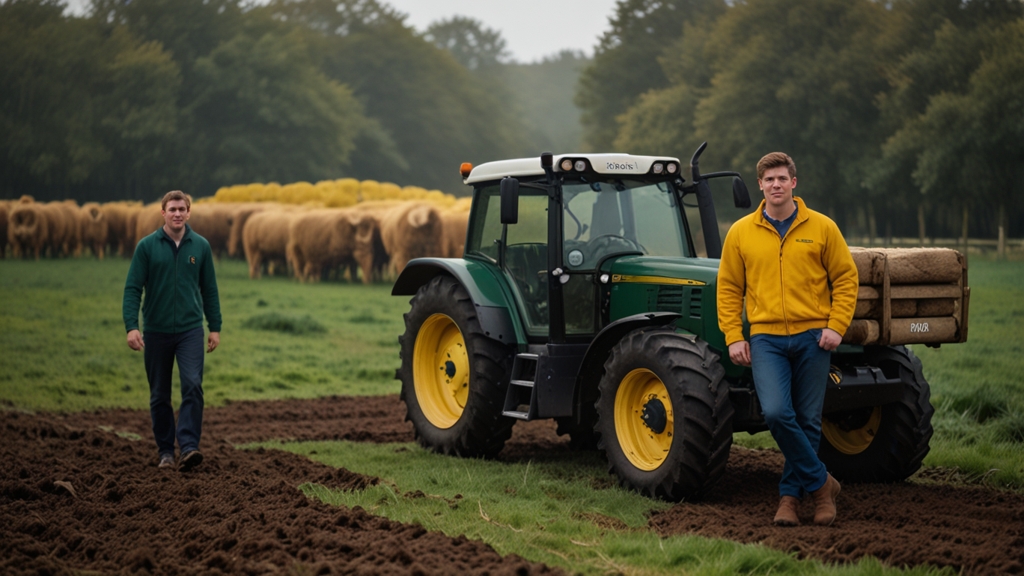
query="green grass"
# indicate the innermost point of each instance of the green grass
(64, 341)
(64, 349)
(978, 386)
(561, 510)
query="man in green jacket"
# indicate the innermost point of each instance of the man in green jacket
(174, 267)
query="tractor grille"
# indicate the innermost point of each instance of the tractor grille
(695, 302)
(670, 299)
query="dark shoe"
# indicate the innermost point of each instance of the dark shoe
(825, 502)
(166, 461)
(190, 460)
(787, 514)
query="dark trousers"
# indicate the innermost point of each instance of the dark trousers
(160, 352)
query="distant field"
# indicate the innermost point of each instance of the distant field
(64, 350)
(64, 340)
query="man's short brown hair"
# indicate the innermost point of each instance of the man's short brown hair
(774, 160)
(176, 195)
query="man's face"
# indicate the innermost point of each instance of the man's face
(777, 186)
(176, 213)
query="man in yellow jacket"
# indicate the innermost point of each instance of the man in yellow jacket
(800, 283)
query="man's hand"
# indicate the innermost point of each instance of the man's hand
(830, 339)
(739, 353)
(212, 342)
(135, 340)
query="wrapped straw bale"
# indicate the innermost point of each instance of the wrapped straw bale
(861, 332)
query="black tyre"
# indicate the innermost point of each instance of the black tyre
(453, 376)
(882, 443)
(664, 419)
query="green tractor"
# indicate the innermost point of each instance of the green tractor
(581, 297)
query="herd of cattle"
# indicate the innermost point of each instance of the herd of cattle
(372, 240)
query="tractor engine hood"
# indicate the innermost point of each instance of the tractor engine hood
(662, 270)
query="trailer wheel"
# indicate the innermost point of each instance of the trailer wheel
(882, 443)
(664, 420)
(453, 375)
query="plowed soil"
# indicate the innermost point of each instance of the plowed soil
(77, 496)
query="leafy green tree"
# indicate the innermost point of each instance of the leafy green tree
(268, 113)
(935, 46)
(965, 145)
(79, 104)
(626, 61)
(542, 94)
(798, 76)
(473, 45)
(437, 113)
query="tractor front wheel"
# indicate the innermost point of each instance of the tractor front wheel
(452, 374)
(664, 419)
(883, 443)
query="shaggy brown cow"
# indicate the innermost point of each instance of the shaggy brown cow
(147, 220)
(412, 230)
(265, 240)
(455, 224)
(28, 228)
(369, 246)
(322, 241)
(116, 214)
(212, 221)
(94, 227)
(5, 210)
(239, 216)
(65, 236)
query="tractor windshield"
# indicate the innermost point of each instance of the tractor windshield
(606, 218)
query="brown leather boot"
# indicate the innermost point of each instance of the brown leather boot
(825, 502)
(787, 514)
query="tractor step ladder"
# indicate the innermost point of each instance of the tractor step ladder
(520, 401)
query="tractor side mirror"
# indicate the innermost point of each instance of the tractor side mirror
(740, 196)
(510, 200)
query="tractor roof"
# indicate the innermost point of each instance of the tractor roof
(605, 164)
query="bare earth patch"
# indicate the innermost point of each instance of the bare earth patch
(75, 495)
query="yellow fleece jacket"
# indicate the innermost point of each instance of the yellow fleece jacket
(804, 281)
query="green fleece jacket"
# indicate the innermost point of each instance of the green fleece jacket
(179, 283)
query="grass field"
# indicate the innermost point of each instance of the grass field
(64, 349)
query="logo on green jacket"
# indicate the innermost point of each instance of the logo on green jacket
(191, 259)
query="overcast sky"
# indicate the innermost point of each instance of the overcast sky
(533, 29)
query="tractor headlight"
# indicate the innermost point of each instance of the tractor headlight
(658, 168)
(566, 165)
(580, 165)
(672, 167)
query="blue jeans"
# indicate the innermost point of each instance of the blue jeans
(160, 351)
(790, 375)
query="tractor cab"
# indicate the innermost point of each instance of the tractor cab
(556, 225)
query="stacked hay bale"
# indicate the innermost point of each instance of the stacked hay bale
(909, 295)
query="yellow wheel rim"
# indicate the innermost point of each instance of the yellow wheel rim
(644, 421)
(440, 371)
(852, 441)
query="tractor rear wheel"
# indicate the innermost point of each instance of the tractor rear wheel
(453, 375)
(881, 443)
(664, 420)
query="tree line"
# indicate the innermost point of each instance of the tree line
(905, 117)
(137, 98)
